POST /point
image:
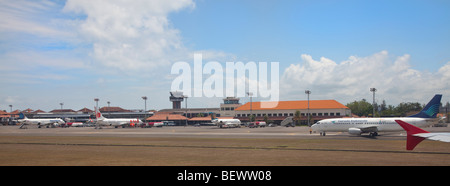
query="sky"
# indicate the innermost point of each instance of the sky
(73, 51)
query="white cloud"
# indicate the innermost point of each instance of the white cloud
(21, 16)
(444, 72)
(351, 80)
(130, 36)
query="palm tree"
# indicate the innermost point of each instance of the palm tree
(266, 118)
(297, 116)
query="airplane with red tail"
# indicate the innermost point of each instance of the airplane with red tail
(116, 122)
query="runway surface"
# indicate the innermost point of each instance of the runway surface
(211, 146)
(189, 131)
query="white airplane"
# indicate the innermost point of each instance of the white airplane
(75, 124)
(155, 124)
(23, 120)
(415, 135)
(227, 122)
(357, 126)
(116, 122)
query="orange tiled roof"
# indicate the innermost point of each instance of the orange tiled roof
(15, 112)
(295, 105)
(28, 110)
(38, 111)
(113, 109)
(207, 118)
(166, 116)
(4, 114)
(224, 117)
(85, 110)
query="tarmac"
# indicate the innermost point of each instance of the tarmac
(209, 145)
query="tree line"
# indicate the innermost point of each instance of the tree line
(364, 108)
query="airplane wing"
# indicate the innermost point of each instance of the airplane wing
(444, 137)
(415, 135)
(360, 130)
(369, 129)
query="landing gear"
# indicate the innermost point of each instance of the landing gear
(323, 133)
(373, 134)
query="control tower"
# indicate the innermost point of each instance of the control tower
(228, 106)
(176, 98)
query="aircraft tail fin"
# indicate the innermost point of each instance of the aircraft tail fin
(98, 114)
(22, 116)
(431, 109)
(411, 140)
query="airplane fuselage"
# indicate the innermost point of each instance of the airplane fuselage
(117, 122)
(382, 124)
(41, 121)
(227, 122)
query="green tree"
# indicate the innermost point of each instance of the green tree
(252, 118)
(297, 116)
(389, 111)
(364, 108)
(266, 118)
(403, 108)
(360, 108)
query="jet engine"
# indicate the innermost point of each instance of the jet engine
(355, 131)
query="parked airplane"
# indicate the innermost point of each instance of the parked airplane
(74, 124)
(23, 120)
(116, 122)
(154, 124)
(227, 122)
(415, 135)
(357, 126)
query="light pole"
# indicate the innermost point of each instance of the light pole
(96, 109)
(185, 96)
(373, 103)
(61, 105)
(250, 94)
(308, 92)
(145, 107)
(10, 112)
(109, 110)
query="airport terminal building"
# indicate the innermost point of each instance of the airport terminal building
(318, 110)
(230, 108)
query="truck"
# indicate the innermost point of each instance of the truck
(257, 124)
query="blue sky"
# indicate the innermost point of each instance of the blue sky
(281, 30)
(75, 51)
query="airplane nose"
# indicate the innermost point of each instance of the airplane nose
(314, 127)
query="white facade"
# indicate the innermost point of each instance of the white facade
(338, 112)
